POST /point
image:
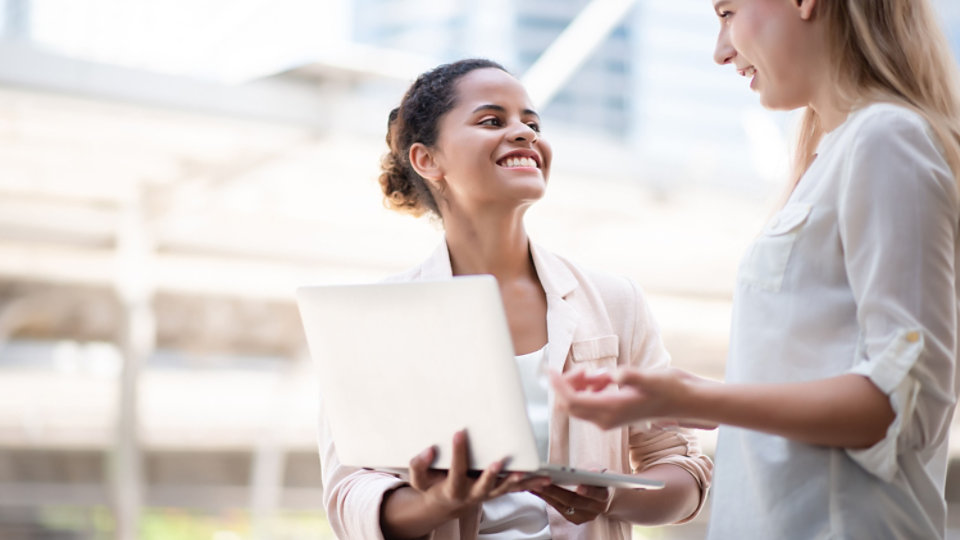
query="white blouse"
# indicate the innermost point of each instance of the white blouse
(856, 274)
(522, 515)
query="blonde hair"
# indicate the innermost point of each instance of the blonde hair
(889, 51)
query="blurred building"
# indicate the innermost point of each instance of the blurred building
(170, 172)
(650, 82)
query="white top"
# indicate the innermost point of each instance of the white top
(522, 515)
(856, 274)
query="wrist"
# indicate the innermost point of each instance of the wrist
(694, 396)
(439, 507)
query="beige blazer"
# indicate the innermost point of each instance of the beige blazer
(593, 320)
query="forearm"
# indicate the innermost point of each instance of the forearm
(845, 411)
(678, 499)
(406, 513)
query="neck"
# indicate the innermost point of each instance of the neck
(489, 243)
(830, 107)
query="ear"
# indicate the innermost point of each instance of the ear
(424, 163)
(805, 8)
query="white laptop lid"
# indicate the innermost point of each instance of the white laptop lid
(403, 366)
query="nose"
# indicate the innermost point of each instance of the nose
(724, 53)
(524, 133)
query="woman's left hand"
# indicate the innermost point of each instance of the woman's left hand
(585, 504)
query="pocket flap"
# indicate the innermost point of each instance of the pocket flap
(789, 218)
(595, 349)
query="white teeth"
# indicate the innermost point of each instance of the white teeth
(519, 162)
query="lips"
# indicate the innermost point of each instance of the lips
(520, 159)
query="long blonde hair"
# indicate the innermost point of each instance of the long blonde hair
(889, 51)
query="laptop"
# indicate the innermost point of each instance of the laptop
(403, 366)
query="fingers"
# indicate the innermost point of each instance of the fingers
(555, 503)
(596, 502)
(629, 376)
(576, 393)
(457, 481)
(484, 485)
(596, 493)
(519, 481)
(569, 397)
(459, 486)
(576, 507)
(582, 380)
(606, 410)
(419, 469)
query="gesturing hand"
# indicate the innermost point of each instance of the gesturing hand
(580, 506)
(642, 394)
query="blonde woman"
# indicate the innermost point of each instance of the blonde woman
(841, 377)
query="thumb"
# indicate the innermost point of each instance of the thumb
(629, 376)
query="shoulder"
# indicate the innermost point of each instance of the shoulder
(884, 115)
(606, 285)
(877, 128)
(619, 297)
(885, 145)
(613, 288)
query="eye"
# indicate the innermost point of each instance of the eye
(724, 14)
(534, 126)
(491, 121)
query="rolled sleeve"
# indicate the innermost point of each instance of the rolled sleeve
(351, 497)
(650, 446)
(674, 447)
(898, 216)
(890, 373)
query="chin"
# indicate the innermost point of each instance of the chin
(779, 103)
(531, 192)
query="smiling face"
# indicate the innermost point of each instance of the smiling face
(775, 43)
(489, 150)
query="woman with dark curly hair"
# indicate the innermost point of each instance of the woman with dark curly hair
(465, 144)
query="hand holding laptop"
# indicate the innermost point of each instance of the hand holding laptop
(581, 505)
(447, 493)
(455, 487)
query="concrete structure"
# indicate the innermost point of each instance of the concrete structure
(155, 218)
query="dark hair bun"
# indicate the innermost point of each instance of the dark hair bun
(403, 189)
(399, 193)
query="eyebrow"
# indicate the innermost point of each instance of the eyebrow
(498, 108)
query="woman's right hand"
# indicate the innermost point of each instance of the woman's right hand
(629, 395)
(436, 496)
(450, 492)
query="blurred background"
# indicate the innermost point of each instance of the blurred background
(171, 171)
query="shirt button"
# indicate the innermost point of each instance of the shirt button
(913, 337)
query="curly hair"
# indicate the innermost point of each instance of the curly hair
(416, 120)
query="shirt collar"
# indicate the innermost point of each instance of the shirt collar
(555, 276)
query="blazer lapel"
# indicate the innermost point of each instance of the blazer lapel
(562, 318)
(438, 265)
